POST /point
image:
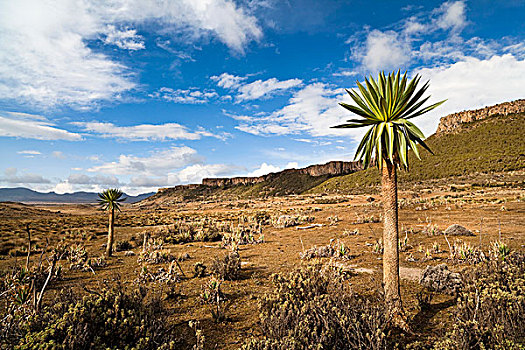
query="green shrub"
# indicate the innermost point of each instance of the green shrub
(490, 313)
(108, 318)
(313, 308)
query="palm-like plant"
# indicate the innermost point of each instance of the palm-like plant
(386, 107)
(110, 200)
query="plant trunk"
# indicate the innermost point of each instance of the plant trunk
(390, 241)
(109, 247)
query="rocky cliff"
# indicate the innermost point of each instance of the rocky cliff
(452, 121)
(334, 168)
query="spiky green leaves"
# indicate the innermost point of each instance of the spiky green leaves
(110, 199)
(386, 107)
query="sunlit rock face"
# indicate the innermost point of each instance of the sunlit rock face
(335, 168)
(452, 121)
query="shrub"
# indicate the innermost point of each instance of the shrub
(155, 257)
(490, 313)
(227, 267)
(108, 318)
(169, 275)
(215, 299)
(334, 249)
(313, 308)
(284, 221)
(199, 269)
(123, 246)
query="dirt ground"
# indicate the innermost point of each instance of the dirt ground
(491, 213)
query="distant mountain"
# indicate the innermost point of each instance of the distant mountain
(25, 195)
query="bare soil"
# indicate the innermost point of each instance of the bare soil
(491, 213)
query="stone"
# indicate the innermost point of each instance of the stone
(440, 279)
(453, 121)
(335, 168)
(458, 230)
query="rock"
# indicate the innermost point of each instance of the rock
(440, 279)
(334, 168)
(457, 230)
(453, 121)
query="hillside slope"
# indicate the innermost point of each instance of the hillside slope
(495, 144)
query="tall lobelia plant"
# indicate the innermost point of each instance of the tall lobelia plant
(110, 200)
(386, 106)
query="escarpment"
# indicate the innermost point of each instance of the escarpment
(452, 121)
(334, 168)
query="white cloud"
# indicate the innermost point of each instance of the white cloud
(260, 88)
(126, 39)
(157, 163)
(83, 179)
(185, 96)
(472, 83)
(451, 15)
(11, 177)
(190, 174)
(312, 110)
(265, 168)
(228, 81)
(29, 152)
(145, 132)
(392, 49)
(385, 50)
(256, 89)
(46, 59)
(32, 127)
(63, 187)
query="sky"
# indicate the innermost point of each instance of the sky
(143, 94)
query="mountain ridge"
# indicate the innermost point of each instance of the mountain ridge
(26, 195)
(486, 140)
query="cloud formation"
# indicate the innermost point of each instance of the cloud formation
(312, 110)
(185, 96)
(11, 176)
(46, 59)
(30, 126)
(146, 132)
(158, 162)
(256, 89)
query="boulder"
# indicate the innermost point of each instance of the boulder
(458, 230)
(440, 279)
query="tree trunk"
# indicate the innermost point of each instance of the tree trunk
(109, 247)
(390, 240)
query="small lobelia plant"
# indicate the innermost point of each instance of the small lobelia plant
(213, 296)
(110, 200)
(499, 250)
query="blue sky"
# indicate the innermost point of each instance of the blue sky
(142, 94)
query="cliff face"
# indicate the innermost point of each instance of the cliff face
(452, 121)
(334, 168)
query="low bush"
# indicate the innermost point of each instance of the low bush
(334, 249)
(227, 267)
(122, 246)
(490, 313)
(314, 308)
(109, 318)
(284, 221)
